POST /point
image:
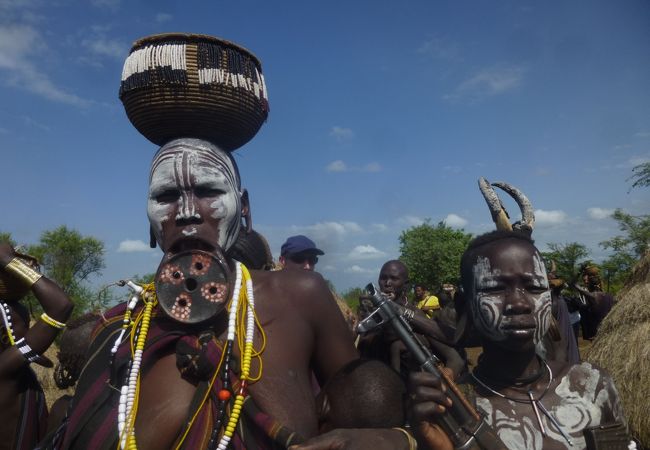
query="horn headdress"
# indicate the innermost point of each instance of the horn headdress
(499, 213)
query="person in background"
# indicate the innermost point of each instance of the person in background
(299, 252)
(426, 302)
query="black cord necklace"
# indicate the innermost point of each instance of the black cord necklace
(536, 403)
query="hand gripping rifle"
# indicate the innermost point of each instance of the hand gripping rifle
(466, 428)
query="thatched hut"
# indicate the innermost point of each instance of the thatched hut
(621, 347)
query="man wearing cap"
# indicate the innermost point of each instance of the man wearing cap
(299, 252)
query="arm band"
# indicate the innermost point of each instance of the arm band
(22, 271)
(29, 354)
(52, 322)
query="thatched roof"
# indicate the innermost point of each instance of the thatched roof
(621, 347)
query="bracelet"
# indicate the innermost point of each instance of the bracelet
(6, 319)
(29, 354)
(413, 444)
(52, 322)
(21, 270)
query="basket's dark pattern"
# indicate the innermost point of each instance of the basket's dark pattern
(159, 75)
(165, 104)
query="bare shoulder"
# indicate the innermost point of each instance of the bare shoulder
(300, 288)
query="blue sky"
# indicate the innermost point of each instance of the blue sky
(382, 114)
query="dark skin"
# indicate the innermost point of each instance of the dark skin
(509, 359)
(305, 334)
(39, 337)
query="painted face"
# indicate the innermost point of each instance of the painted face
(193, 196)
(392, 279)
(511, 297)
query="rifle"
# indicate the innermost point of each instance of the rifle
(464, 425)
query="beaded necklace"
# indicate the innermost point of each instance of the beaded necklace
(241, 300)
(6, 318)
(536, 403)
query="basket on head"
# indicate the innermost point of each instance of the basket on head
(12, 288)
(190, 85)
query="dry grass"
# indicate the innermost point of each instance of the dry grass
(45, 377)
(621, 347)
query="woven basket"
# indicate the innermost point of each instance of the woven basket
(189, 85)
(12, 288)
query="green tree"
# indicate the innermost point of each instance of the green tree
(70, 259)
(628, 247)
(143, 279)
(640, 175)
(6, 238)
(568, 258)
(351, 297)
(432, 253)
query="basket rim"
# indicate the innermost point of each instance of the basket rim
(153, 38)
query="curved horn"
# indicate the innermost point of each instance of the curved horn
(527, 212)
(499, 213)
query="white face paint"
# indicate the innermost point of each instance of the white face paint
(510, 301)
(194, 185)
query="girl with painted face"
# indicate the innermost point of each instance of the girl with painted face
(532, 404)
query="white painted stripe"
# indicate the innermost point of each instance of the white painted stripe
(152, 56)
(220, 76)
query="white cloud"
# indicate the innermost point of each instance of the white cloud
(359, 269)
(599, 213)
(439, 49)
(326, 234)
(549, 217)
(633, 161)
(341, 166)
(379, 227)
(341, 133)
(19, 46)
(337, 166)
(365, 252)
(455, 221)
(132, 246)
(112, 48)
(411, 221)
(336, 227)
(642, 134)
(371, 167)
(163, 17)
(489, 82)
(328, 268)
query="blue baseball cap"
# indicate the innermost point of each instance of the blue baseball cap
(299, 244)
